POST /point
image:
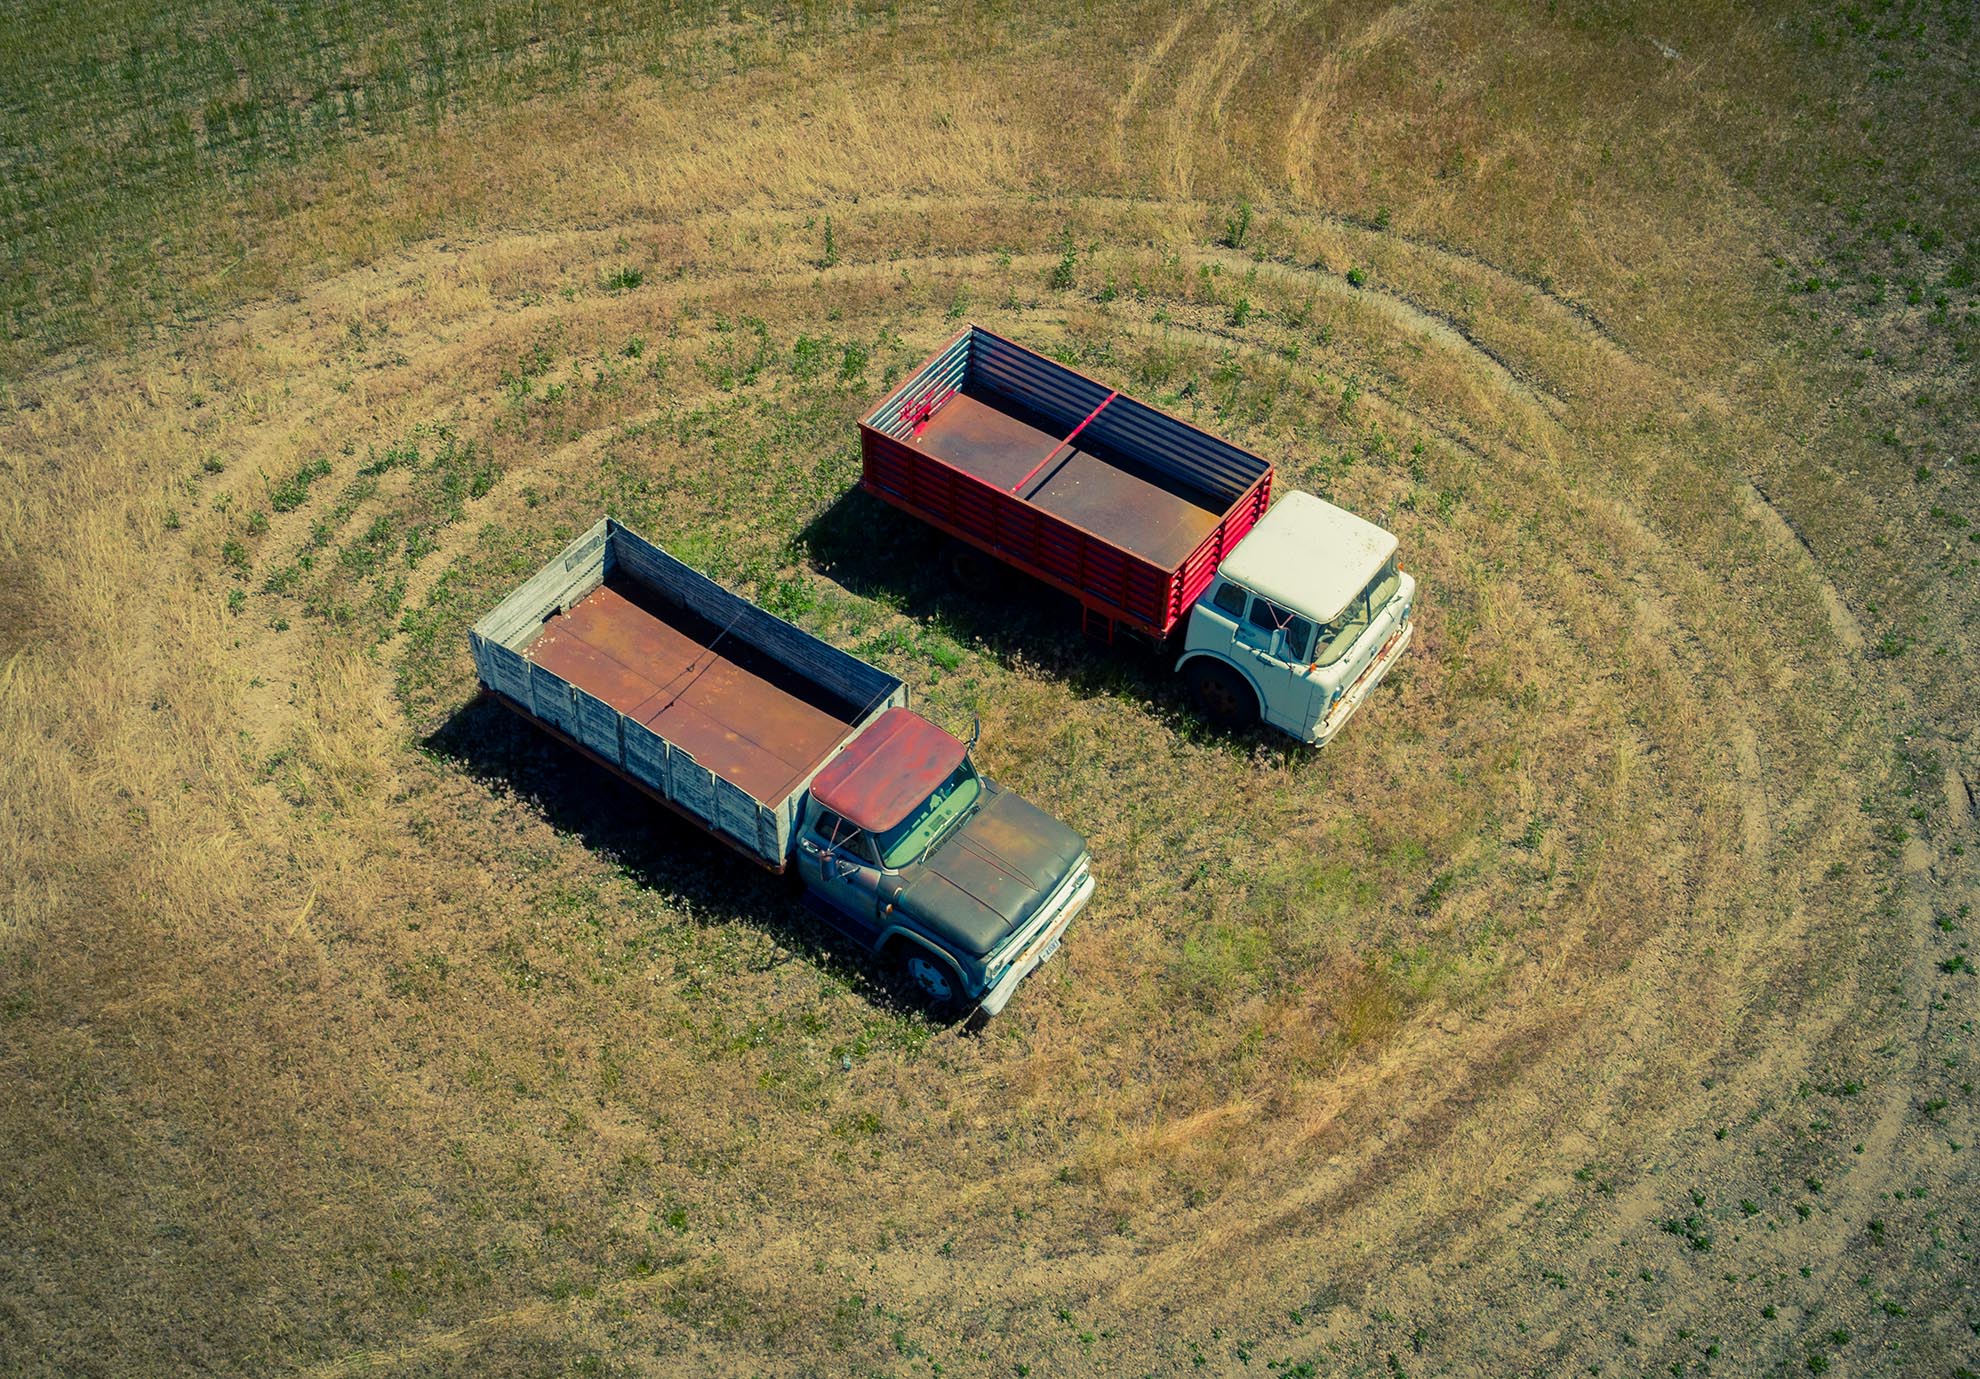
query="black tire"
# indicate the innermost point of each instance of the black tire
(975, 573)
(1220, 694)
(929, 980)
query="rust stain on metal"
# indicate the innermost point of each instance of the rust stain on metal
(887, 770)
(678, 675)
(1108, 500)
(985, 435)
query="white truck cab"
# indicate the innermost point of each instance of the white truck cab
(1304, 618)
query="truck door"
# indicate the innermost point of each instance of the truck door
(841, 866)
(1276, 641)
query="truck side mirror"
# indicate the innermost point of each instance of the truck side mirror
(976, 731)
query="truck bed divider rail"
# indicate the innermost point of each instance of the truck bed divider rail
(1018, 487)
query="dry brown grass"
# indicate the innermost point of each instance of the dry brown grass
(354, 1030)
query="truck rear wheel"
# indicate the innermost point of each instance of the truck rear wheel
(975, 573)
(1221, 694)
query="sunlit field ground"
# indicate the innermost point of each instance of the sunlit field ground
(1601, 1002)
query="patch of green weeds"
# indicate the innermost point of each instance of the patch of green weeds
(808, 358)
(1065, 272)
(1692, 1230)
(293, 491)
(1220, 960)
(1237, 226)
(738, 354)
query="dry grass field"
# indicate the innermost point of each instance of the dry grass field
(1603, 1002)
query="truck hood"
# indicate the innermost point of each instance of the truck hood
(992, 874)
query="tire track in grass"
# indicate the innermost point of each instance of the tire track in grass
(1672, 953)
(530, 1318)
(1301, 132)
(1191, 98)
(1144, 70)
(775, 270)
(1540, 1049)
(1841, 620)
(439, 353)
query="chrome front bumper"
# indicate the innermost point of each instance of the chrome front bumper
(1344, 707)
(1036, 953)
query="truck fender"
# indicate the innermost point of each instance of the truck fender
(1206, 654)
(896, 936)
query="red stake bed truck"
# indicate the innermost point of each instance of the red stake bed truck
(1288, 613)
(788, 750)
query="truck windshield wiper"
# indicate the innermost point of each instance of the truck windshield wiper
(942, 834)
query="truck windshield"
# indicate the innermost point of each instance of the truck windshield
(932, 818)
(1338, 637)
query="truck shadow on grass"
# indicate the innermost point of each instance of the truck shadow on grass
(660, 852)
(881, 553)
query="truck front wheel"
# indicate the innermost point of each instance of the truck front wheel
(1221, 694)
(929, 980)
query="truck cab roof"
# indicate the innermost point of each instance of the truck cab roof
(887, 770)
(1310, 556)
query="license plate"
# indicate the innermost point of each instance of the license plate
(1050, 949)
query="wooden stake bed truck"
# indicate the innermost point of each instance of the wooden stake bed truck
(1293, 612)
(788, 750)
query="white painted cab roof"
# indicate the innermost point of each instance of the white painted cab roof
(1309, 555)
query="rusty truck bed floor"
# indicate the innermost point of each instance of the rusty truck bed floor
(673, 671)
(1115, 499)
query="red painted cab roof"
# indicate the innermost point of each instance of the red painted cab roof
(887, 770)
